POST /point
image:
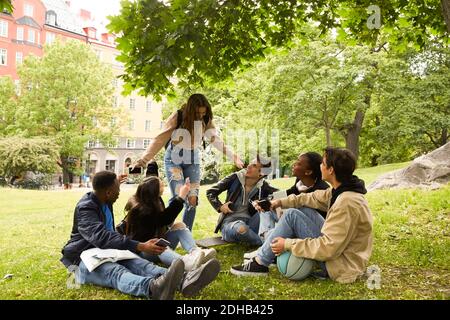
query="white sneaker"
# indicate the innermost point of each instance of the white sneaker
(250, 255)
(193, 260)
(209, 254)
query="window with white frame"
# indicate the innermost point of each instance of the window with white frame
(161, 124)
(115, 83)
(148, 106)
(110, 165)
(19, 58)
(131, 144)
(132, 104)
(113, 121)
(147, 143)
(28, 11)
(20, 33)
(3, 57)
(50, 37)
(131, 125)
(93, 144)
(3, 28)
(148, 125)
(31, 36)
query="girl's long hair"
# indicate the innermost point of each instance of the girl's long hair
(145, 200)
(194, 102)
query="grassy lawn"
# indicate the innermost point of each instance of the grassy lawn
(412, 245)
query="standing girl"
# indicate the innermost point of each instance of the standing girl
(183, 135)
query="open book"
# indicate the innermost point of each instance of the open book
(94, 257)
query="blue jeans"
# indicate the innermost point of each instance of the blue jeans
(243, 230)
(267, 222)
(131, 276)
(184, 236)
(299, 223)
(179, 164)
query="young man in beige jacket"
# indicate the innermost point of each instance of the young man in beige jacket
(342, 244)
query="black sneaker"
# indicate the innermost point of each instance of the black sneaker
(250, 268)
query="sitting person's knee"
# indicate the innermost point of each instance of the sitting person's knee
(242, 229)
(193, 201)
(178, 226)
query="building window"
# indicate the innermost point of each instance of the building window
(94, 144)
(51, 18)
(20, 33)
(161, 124)
(113, 121)
(31, 36)
(148, 125)
(132, 104)
(148, 106)
(3, 28)
(131, 125)
(115, 83)
(114, 144)
(146, 143)
(50, 37)
(3, 57)
(19, 58)
(28, 10)
(131, 144)
(110, 165)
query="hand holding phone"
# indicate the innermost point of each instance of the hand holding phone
(162, 242)
(134, 170)
(265, 204)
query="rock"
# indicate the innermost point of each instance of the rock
(429, 171)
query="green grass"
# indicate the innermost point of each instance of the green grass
(412, 242)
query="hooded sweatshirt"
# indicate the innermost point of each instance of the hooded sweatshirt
(346, 241)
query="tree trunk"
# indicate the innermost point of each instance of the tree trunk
(328, 136)
(444, 136)
(445, 4)
(352, 134)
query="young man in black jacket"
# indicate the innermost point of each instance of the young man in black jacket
(93, 227)
(238, 220)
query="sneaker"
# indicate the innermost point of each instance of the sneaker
(163, 287)
(250, 255)
(250, 268)
(209, 254)
(197, 279)
(193, 260)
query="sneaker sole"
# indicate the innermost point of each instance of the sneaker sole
(211, 255)
(209, 272)
(246, 273)
(168, 292)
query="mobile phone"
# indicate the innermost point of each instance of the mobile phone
(264, 204)
(162, 242)
(135, 170)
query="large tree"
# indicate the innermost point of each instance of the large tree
(67, 95)
(194, 40)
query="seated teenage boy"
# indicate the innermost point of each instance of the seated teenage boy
(239, 220)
